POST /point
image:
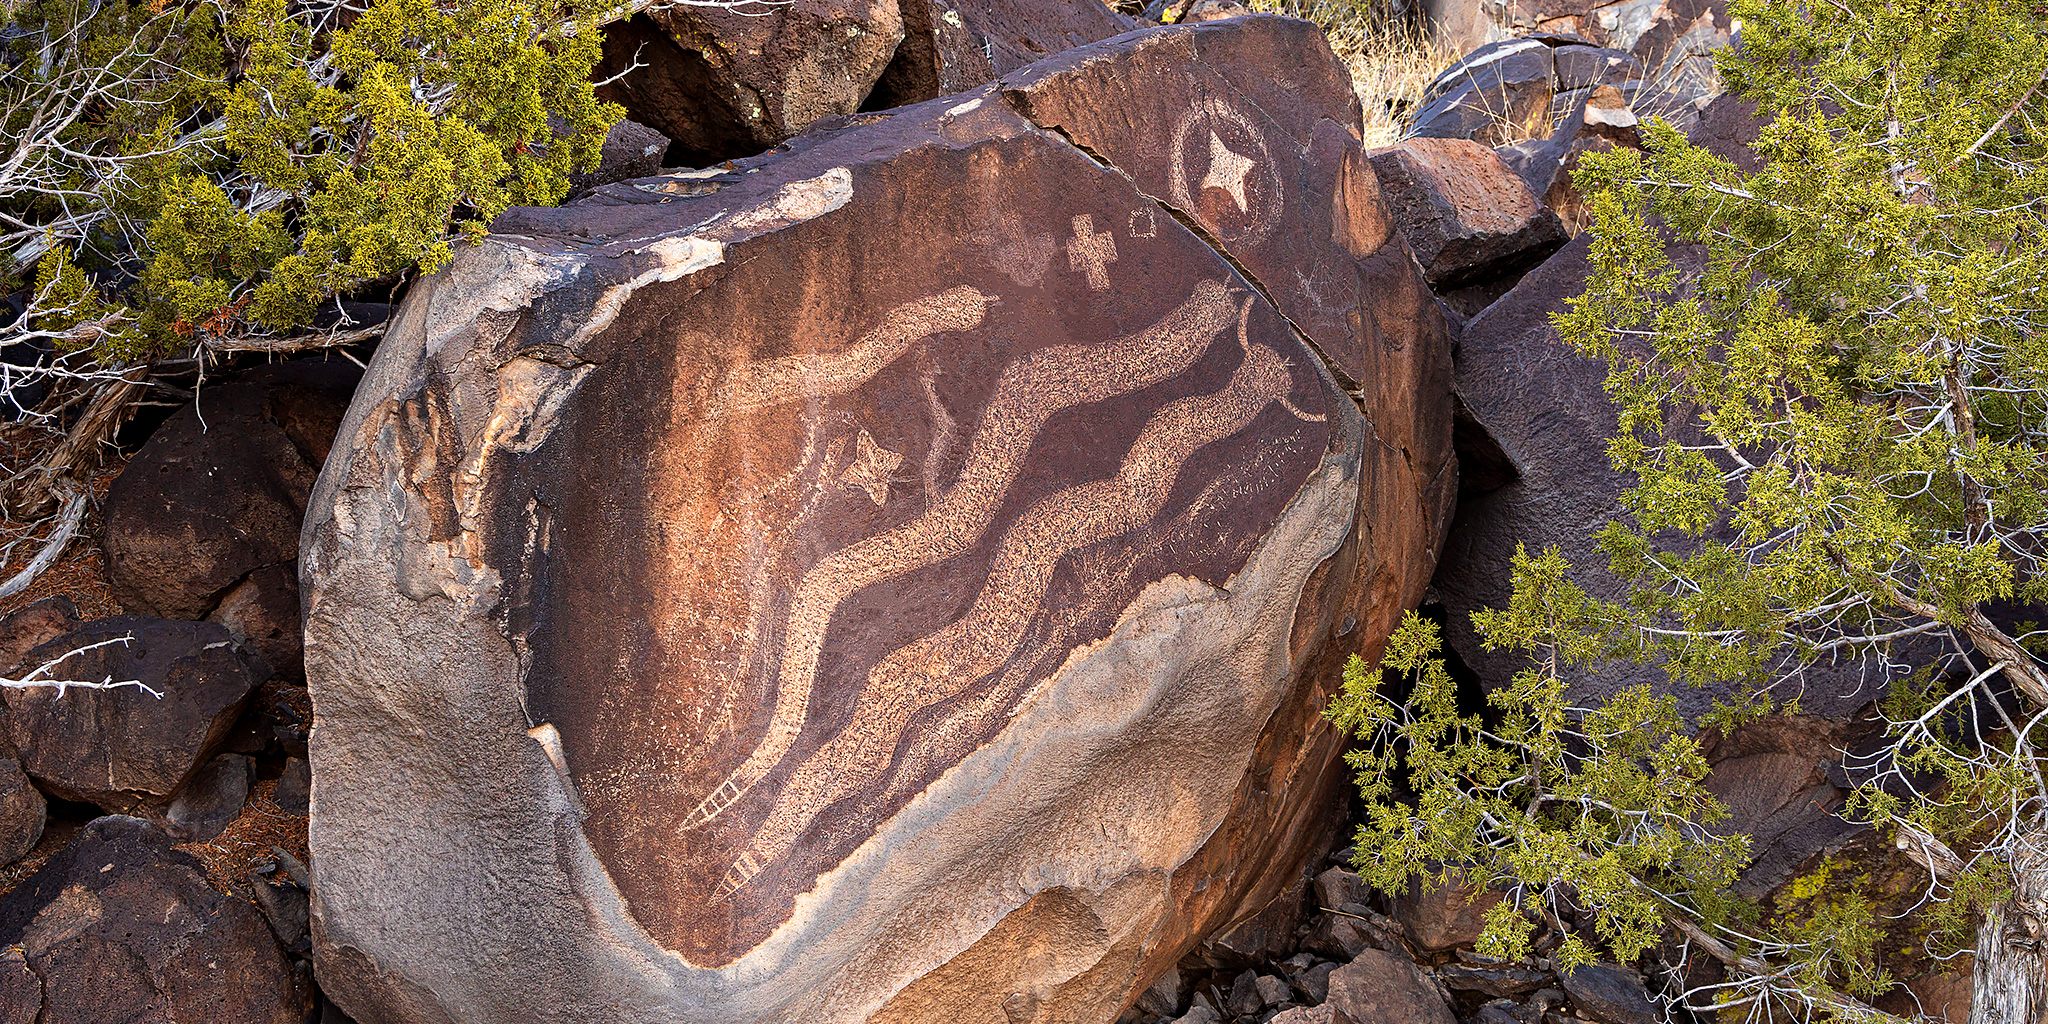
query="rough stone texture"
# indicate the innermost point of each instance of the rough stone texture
(726, 83)
(1610, 994)
(21, 992)
(1525, 90)
(33, 626)
(896, 586)
(1324, 1014)
(1442, 917)
(118, 927)
(1498, 94)
(215, 497)
(940, 55)
(1940, 997)
(1674, 39)
(1600, 121)
(22, 810)
(1500, 982)
(1464, 212)
(123, 747)
(1336, 887)
(1777, 777)
(1381, 988)
(631, 150)
(1020, 32)
(294, 787)
(1546, 408)
(212, 798)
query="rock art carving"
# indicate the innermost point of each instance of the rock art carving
(1238, 193)
(796, 597)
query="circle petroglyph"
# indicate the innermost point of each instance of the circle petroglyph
(1224, 174)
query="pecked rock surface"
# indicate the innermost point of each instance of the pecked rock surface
(892, 580)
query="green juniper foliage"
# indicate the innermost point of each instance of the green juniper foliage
(182, 172)
(1839, 433)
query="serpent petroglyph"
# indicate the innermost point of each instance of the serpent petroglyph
(945, 664)
(1027, 394)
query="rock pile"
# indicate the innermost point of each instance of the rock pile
(1363, 957)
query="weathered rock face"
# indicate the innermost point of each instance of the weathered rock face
(120, 927)
(898, 585)
(1521, 89)
(1020, 32)
(22, 810)
(1544, 409)
(204, 521)
(1382, 988)
(1674, 39)
(122, 747)
(731, 83)
(1464, 212)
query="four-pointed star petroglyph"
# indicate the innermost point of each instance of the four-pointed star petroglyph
(871, 467)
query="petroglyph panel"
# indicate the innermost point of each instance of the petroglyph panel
(860, 542)
(796, 591)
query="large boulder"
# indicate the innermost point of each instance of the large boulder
(1674, 39)
(1538, 416)
(898, 585)
(119, 927)
(203, 517)
(1522, 89)
(1466, 214)
(1547, 409)
(122, 747)
(731, 82)
(22, 812)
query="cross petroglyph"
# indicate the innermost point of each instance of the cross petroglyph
(1090, 253)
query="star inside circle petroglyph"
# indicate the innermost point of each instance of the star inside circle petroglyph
(1222, 173)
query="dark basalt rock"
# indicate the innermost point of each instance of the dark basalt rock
(120, 927)
(122, 747)
(1468, 217)
(716, 573)
(732, 82)
(22, 812)
(1381, 986)
(212, 799)
(1610, 994)
(214, 499)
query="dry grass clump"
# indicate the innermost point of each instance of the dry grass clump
(1392, 59)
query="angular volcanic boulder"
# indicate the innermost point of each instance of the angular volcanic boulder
(727, 83)
(815, 591)
(1465, 213)
(120, 927)
(1547, 410)
(22, 811)
(1018, 32)
(214, 500)
(1674, 39)
(124, 746)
